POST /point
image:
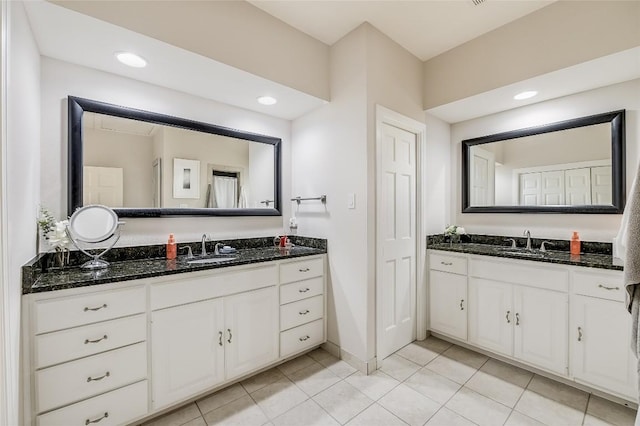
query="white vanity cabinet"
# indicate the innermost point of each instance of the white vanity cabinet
(520, 310)
(600, 333)
(566, 320)
(117, 353)
(448, 294)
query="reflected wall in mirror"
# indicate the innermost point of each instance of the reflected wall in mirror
(147, 164)
(574, 166)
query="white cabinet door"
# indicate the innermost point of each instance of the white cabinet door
(530, 189)
(448, 303)
(251, 330)
(187, 350)
(601, 185)
(577, 186)
(491, 315)
(541, 322)
(601, 354)
(552, 188)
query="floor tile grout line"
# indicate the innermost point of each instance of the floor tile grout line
(586, 407)
(519, 398)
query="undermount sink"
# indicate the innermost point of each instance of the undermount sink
(522, 252)
(210, 260)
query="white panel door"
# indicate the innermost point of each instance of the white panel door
(482, 172)
(601, 353)
(102, 185)
(397, 239)
(530, 189)
(552, 188)
(577, 186)
(601, 185)
(541, 322)
(188, 350)
(491, 315)
(251, 330)
(448, 303)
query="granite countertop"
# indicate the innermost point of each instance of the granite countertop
(49, 279)
(590, 260)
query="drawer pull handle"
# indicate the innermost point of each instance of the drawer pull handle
(305, 312)
(304, 270)
(304, 290)
(517, 318)
(91, 379)
(579, 334)
(95, 309)
(230, 335)
(105, 337)
(220, 338)
(608, 288)
(507, 317)
(446, 263)
(302, 339)
(88, 422)
(461, 302)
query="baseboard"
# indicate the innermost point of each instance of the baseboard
(365, 367)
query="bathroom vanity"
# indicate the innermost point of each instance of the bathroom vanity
(547, 313)
(119, 345)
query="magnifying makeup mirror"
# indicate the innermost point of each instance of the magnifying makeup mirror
(94, 224)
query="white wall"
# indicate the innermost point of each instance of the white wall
(437, 188)
(591, 227)
(23, 178)
(60, 79)
(261, 172)
(334, 154)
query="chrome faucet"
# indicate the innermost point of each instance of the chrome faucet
(204, 248)
(527, 234)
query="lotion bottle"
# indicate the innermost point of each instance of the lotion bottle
(574, 245)
(172, 248)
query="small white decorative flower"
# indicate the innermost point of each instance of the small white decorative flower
(58, 237)
(460, 230)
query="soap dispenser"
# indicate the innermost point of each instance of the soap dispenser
(574, 245)
(172, 248)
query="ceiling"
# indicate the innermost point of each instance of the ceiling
(425, 28)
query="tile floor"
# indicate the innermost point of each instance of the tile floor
(429, 382)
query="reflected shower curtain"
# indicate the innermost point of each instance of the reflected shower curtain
(225, 190)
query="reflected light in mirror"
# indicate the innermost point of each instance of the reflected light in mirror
(131, 59)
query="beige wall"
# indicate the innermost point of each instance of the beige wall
(562, 34)
(232, 32)
(132, 153)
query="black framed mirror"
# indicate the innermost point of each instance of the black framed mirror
(572, 166)
(145, 164)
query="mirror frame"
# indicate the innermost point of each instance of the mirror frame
(618, 182)
(77, 106)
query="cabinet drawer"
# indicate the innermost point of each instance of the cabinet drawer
(300, 338)
(605, 285)
(114, 408)
(446, 263)
(76, 380)
(542, 275)
(301, 290)
(301, 270)
(209, 285)
(79, 342)
(58, 314)
(301, 312)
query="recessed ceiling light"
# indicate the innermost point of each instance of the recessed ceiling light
(131, 59)
(525, 95)
(267, 100)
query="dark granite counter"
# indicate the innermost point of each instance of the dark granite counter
(590, 260)
(39, 277)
